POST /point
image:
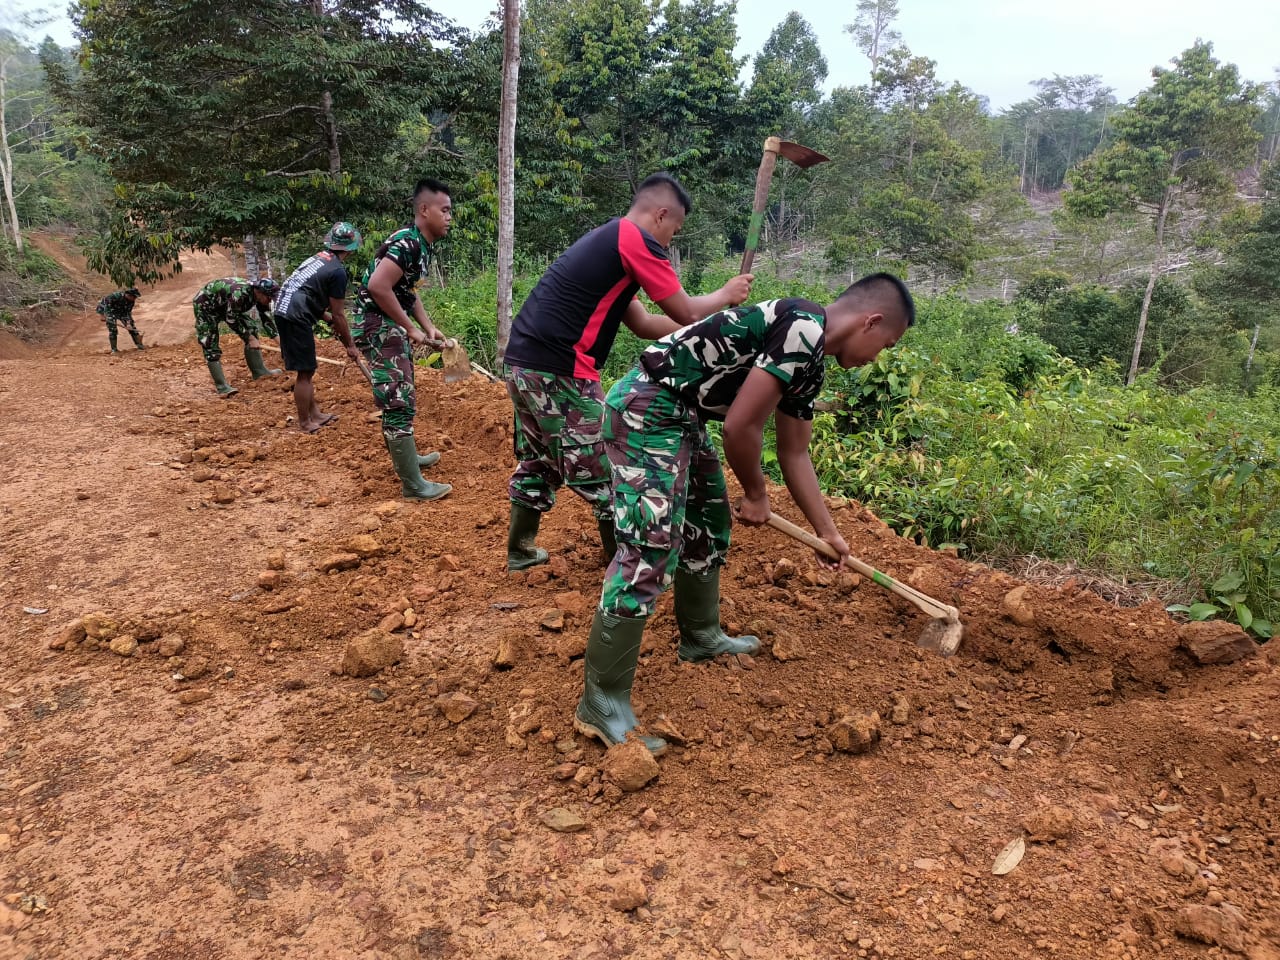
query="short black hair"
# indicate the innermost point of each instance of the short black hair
(665, 181)
(878, 285)
(428, 185)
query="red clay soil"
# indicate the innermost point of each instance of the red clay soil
(238, 798)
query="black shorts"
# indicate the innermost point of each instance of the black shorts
(297, 344)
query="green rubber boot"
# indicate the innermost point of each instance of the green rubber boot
(404, 454)
(111, 336)
(608, 540)
(698, 614)
(428, 460)
(219, 379)
(137, 339)
(521, 551)
(604, 712)
(253, 357)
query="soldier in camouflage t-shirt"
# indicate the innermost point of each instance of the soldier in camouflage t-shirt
(389, 318)
(233, 300)
(670, 503)
(117, 310)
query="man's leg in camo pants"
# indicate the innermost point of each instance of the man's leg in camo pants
(557, 440)
(207, 332)
(386, 348)
(111, 333)
(650, 437)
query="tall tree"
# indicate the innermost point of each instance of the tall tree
(872, 30)
(1176, 147)
(507, 167)
(250, 117)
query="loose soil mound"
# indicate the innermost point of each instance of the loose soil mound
(194, 779)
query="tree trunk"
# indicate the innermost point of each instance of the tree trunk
(326, 112)
(6, 162)
(507, 168)
(1022, 180)
(252, 270)
(1151, 286)
(1253, 346)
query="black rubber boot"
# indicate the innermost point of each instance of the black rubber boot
(609, 668)
(253, 357)
(111, 336)
(219, 379)
(698, 614)
(521, 551)
(137, 339)
(404, 455)
(608, 540)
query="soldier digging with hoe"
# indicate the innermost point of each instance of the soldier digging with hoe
(670, 507)
(231, 300)
(389, 319)
(117, 309)
(317, 287)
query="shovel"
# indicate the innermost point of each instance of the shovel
(944, 632)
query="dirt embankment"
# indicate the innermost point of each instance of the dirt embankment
(220, 792)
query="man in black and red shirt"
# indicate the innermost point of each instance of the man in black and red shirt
(561, 339)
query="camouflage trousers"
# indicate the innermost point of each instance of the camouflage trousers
(111, 322)
(386, 347)
(207, 321)
(557, 439)
(670, 504)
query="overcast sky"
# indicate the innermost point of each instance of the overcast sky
(997, 47)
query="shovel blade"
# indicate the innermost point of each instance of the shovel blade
(802, 156)
(457, 363)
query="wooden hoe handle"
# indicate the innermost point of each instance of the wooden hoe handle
(763, 178)
(926, 603)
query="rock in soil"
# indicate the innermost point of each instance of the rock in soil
(72, 634)
(856, 733)
(170, 645)
(364, 546)
(100, 626)
(338, 561)
(629, 765)
(1218, 926)
(628, 894)
(786, 647)
(1216, 641)
(562, 821)
(124, 645)
(1017, 607)
(370, 652)
(1053, 822)
(456, 707)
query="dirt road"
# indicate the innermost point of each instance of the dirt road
(237, 799)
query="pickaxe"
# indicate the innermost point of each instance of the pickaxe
(798, 154)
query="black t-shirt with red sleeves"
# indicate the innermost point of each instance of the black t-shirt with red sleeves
(568, 324)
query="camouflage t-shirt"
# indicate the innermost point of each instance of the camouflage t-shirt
(409, 250)
(707, 362)
(233, 297)
(116, 306)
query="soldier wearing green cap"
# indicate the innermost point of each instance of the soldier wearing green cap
(317, 287)
(117, 310)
